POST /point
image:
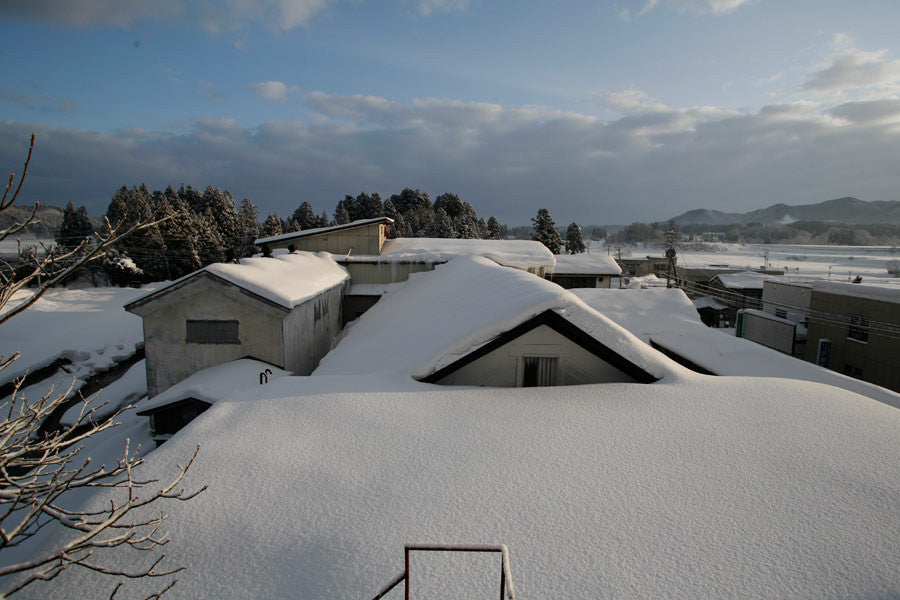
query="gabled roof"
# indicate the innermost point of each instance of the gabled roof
(561, 325)
(285, 280)
(586, 264)
(521, 254)
(744, 280)
(437, 317)
(320, 230)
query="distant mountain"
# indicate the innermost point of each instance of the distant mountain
(840, 210)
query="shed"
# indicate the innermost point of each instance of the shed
(284, 310)
(364, 236)
(585, 270)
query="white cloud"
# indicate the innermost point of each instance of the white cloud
(714, 7)
(39, 102)
(276, 91)
(427, 7)
(849, 69)
(653, 162)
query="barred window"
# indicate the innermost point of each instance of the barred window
(212, 332)
(539, 371)
(859, 328)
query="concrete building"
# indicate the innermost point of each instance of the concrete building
(365, 236)
(283, 310)
(647, 265)
(584, 270)
(855, 329)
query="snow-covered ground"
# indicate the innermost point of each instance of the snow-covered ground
(89, 326)
(693, 487)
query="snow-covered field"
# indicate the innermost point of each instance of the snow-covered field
(690, 487)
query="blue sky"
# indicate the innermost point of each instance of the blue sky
(602, 112)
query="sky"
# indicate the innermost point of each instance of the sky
(603, 112)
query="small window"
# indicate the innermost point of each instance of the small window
(852, 371)
(212, 332)
(859, 328)
(539, 371)
(781, 313)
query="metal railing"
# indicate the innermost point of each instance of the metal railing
(507, 591)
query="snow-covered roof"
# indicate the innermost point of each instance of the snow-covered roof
(669, 318)
(700, 487)
(522, 254)
(744, 280)
(293, 235)
(874, 291)
(438, 316)
(708, 302)
(216, 383)
(586, 264)
(286, 279)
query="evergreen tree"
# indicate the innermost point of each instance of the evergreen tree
(493, 228)
(369, 207)
(272, 225)
(322, 220)
(399, 226)
(75, 227)
(574, 243)
(248, 221)
(544, 231)
(441, 226)
(304, 216)
(218, 208)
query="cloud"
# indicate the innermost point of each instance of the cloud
(714, 7)
(39, 102)
(276, 91)
(212, 15)
(427, 7)
(651, 163)
(208, 90)
(853, 69)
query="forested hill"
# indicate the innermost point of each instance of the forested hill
(49, 219)
(840, 210)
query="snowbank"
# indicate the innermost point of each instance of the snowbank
(701, 487)
(128, 389)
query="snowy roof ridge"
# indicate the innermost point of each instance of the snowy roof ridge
(586, 263)
(439, 316)
(319, 230)
(285, 279)
(522, 254)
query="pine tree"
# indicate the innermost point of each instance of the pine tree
(322, 220)
(75, 227)
(218, 208)
(272, 225)
(304, 216)
(441, 226)
(493, 228)
(248, 221)
(574, 242)
(545, 232)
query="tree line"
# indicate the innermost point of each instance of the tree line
(199, 228)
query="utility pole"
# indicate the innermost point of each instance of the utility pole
(671, 238)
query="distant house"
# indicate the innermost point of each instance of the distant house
(474, 322)
(855, 329)
(781, 324)
(585, 270)
(284, 310)
(647, 265)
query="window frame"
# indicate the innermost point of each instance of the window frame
(204, 331)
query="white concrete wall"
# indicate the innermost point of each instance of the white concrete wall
(499, 368)
(171, 359)
(309, 329)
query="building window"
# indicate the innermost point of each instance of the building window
(859, 328)
(852, 371)
(781, 313)
(212, 332)
(539, 371)
(824, 354)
